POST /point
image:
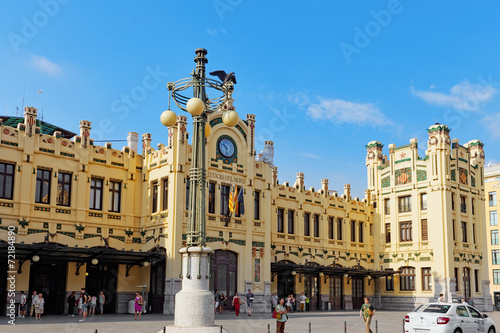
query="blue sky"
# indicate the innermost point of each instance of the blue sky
(323, 78)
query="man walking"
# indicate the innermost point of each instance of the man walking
(216, 300)
(274, 301)
(249, 299)
(366, 312)
(302, 300)
(85, 304)
(34, 299)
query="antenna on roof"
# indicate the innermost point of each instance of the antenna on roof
(42, 114)
(24, 91)
(38, 96)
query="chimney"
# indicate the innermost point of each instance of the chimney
(132, 140)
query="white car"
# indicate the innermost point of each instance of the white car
(447, 318)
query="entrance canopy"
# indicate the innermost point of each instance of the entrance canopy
(56, 253)
(287, 267)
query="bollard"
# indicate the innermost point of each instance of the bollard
(164, 329)
(376, 326)
(220, 328)
(95, 330)
(310, 327)
(268, 328)
(345, 326)
(403, 325)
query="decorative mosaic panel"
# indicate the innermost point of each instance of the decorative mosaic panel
(421, 175)
(453, 176)
(472, 181)
(386, 182)
(403, 176)
(257, 270)
(257, 244)
(462, 176)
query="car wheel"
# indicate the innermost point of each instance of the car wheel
(458, 330)
(491, 330)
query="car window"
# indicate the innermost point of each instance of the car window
(474, 313)
(462, 311)
(416, 310)
(437, 308)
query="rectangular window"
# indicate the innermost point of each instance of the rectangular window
(291, 216)
(463, 204)
(42, 194)
(456, 278)
(492, 197)
(6, 181)
(472, 206)
(493, 217)
(496, 276)
(423, 201)
(361, 235)
(406, 231)
(389, 283)
(495, 259)
(307, 227)
(115, 191)
(211, 198)
(330, 227)
(96, 194)
(407, 279)
(280, 219)
(164, 198)
(452, 201)
(494, 237)
(476, 280)
(353, 231)
(339, 229)
(154, 197)
(453, 229)
(256, 205)
(405, 204)
(387, 206)
(464, 232)
(425, 234)
(426, 278)
(63, 189)
(473, 233)
(188, 185)
(387, 232)
(316, 225)
(224, 200)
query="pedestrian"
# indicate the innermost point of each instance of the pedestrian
(293, 303)
(84, 298)
(216, 301)
(366, 312)
(80, 305)
(102, 299)
(71, 304)
(23, 305)
(288, 302)
(93, 303)
(236, 303)
(249, 299)
(307, 303)
(139, 302)
(222, 303)
(274, 300)
(441, 298)
(39, 306)
(302, 304)
(470, 301)
(34, 296)
(281, 316)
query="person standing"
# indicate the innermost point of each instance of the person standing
(84, 298)
(471, 302)
(249, 299)
(102, 299)
(288, 303)
(366, 312)
(236, 303)
(71, 304)
(222, 303)
(274, 300)
(39, 306)
(23, 305)
(302, 300)
(441, 298)
(216, 300)
(34, 297)
(139, 302)
(92, 303)
(281, 316)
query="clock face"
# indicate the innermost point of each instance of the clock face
(226, 148)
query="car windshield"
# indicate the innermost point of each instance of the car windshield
(437, 308)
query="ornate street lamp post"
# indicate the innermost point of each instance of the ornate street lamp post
(194, 303)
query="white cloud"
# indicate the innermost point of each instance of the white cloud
(340, 111)
(45, 65)
(463, 96)
(308, 155)
(492, 123)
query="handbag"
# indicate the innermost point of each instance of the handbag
(141, 302)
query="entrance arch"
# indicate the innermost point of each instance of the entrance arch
(224, 273)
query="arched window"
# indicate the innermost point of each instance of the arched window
(407, 278)
(224, 272)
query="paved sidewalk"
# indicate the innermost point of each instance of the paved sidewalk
(321, 321)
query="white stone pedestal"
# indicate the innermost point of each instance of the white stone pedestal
(194, 304)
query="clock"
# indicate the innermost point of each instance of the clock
(226, 147)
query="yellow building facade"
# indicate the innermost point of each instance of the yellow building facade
(491, 189)
(114, 220)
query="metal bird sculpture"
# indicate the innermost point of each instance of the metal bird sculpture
(224, 77)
